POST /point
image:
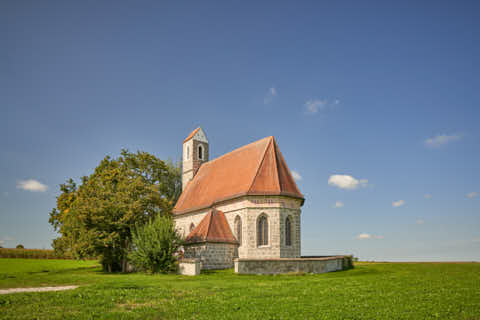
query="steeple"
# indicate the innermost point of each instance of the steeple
(195, 152)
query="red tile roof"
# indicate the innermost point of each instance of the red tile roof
(255, 169)
(213, 228)
(190, 136)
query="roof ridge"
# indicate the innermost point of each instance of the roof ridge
(209, 227)
(235, 150)
(260, 164)
(190, 136)
(287, 171)
(275, 156)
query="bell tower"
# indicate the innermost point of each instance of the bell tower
(195, 152)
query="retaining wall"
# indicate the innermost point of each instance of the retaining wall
(296, 265)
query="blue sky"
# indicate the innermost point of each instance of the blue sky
(379, 99)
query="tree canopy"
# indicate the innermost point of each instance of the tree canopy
(97, 217)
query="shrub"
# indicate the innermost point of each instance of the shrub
(20, 246)
(154, 246)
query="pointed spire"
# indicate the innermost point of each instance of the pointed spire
(190, 136)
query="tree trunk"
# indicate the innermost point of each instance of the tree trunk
(124, 258)
(124, 264)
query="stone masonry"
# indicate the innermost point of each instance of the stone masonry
(212, 255)
(191, 161)
(249, 209)
(295, 265)
(262, 187)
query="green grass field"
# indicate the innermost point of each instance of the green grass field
(370, 291)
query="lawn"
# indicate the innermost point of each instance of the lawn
(370, 291)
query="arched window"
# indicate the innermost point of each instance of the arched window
(200, 152)
(288, 232)
(238, 229)
(262, 231)
(188, 152)
(192, 226)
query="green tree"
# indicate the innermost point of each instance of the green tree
(20, 246)
(97, 217)
(64, 222)
(154, 245)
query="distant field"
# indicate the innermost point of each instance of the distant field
(30, 254)
(370, 291)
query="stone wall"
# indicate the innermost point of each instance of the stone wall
(212, 255)
(191, 164)
(249, 209)
(294, 250)
(297, 265)
(187, 164)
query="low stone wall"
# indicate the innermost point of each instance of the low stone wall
(287, 265)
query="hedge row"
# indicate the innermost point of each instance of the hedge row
(31, 254)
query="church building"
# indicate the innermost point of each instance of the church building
(242, 205)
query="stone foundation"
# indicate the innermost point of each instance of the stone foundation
(212, 255)
(295, 265)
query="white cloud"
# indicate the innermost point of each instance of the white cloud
(398, 203)
(296, 175)
(32, 185)
(428, 196)
(5, 239)
(338, 204)
(420, 221)
(472, 195)
(364, 236)
(347, 182)
(441, 139)
(312, 106)
(272, 93)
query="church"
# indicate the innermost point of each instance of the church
(243, 210)
(244, 204)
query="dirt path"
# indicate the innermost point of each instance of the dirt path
(40, 289)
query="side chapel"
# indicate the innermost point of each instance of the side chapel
(244, 204)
